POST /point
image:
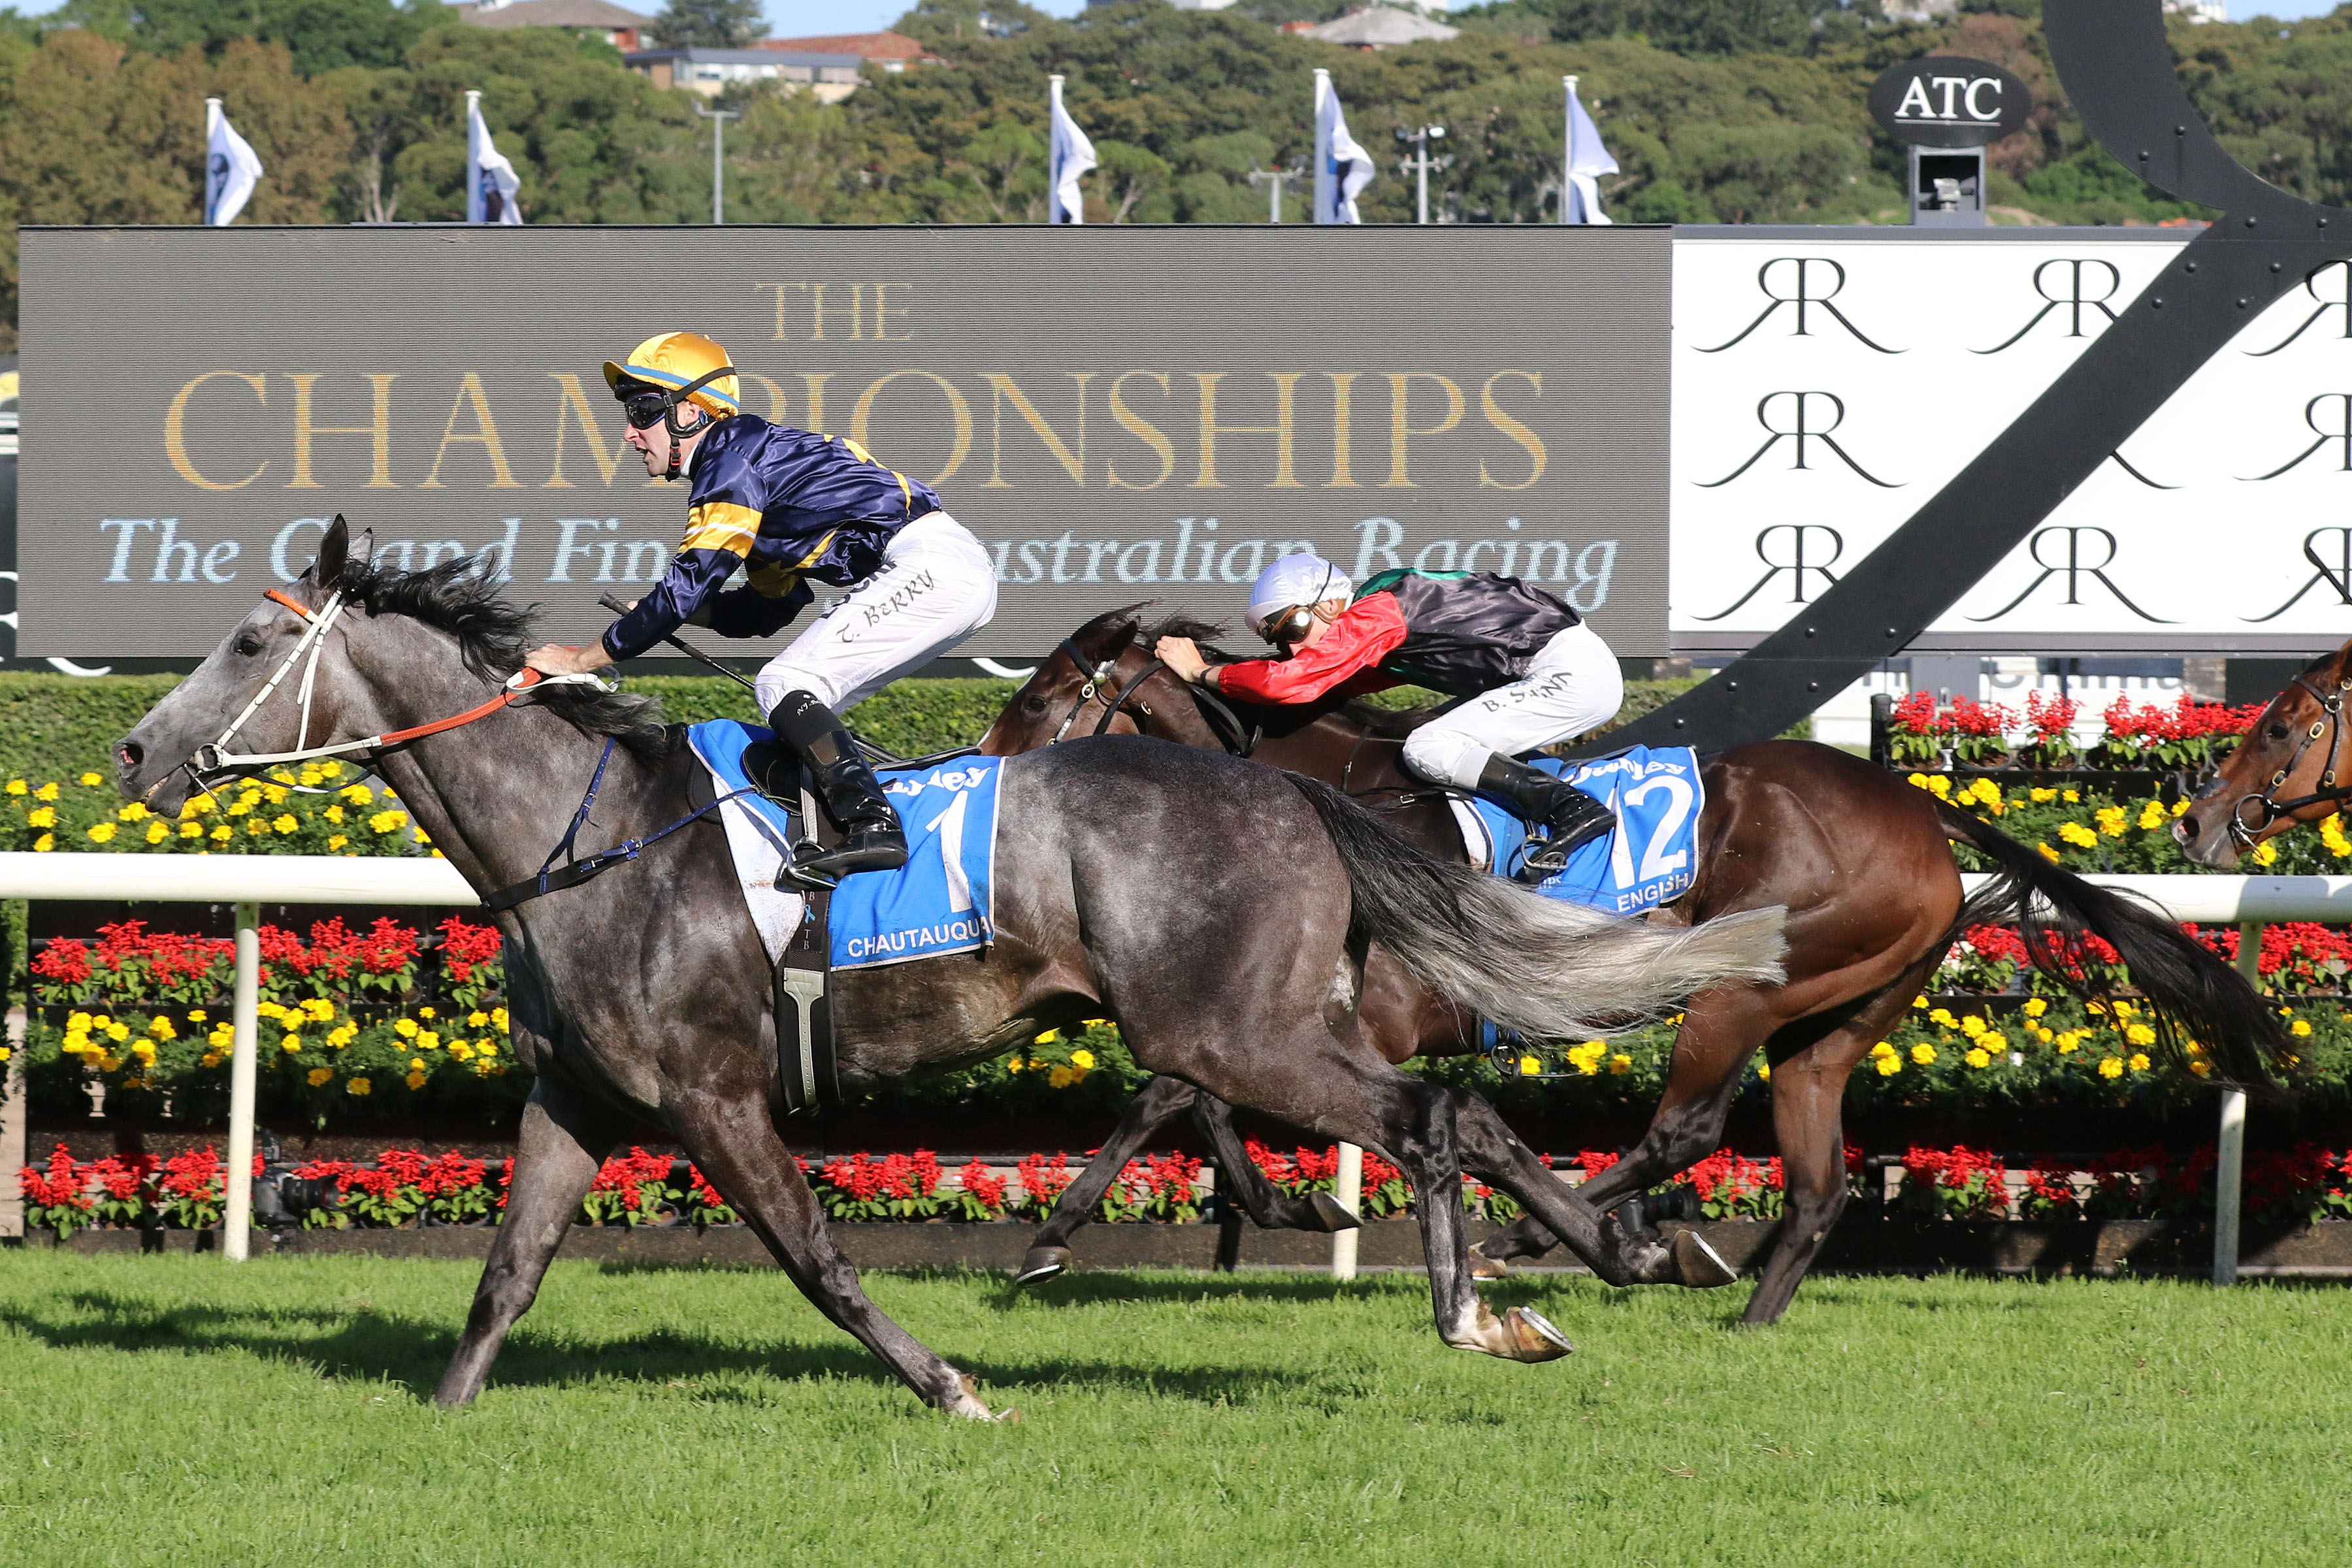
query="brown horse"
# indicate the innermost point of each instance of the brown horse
(1861, 860)
(2291, 768)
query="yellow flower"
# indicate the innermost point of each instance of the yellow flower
(2331, 833)
(460, 1051)
(221, 1037)
(429, 1041)
(417, 1064)
(42, 816)
(101, 833)
(2074, 797)
(1923, 1054)
(1972, 1025)
(2111, 820)
(211, 1059)
(197, 1014)
(1764, 1071)
(2041, 796)
(115, 1031)
(310, 776)
(1082, 1059)
(1060, 1077)
(220, 833)
(157, 833)
(2047, 853)
(1916, 781)
(318, 1009)
(2298, 1028)
(160, 1028)
(46, 792)
(92, 780)
(2111, 1066)
(2181, 805)
(131, 813)
(2266, 853)
(499, 1019)
(2035, 1006)
(414, 1080)
(275, 794)
(15, 787)
(2124, 1010)
(1977, 1057)
(44, 844)
(144, 1050)
(358, 795)
(2152, 818)
(425, 1013)
(1942, 1018)
(1889, 1064)
(2138, 1062)
(319, 1077)
(405, 1029)
(333, 814)
(1918, 1002)
(337, 842)
(2074, 833)
(1049, 1036)
(1620, 1064)
(388, 821)
(476, 1018)
(198, 804)
(2203, 1069)
(1529, 1066)
(359, 1086)
(2139, 1035)
(285, 822)
(330, 769)
(291, 1044)
(1939, 787)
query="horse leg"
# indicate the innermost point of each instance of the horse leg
(1721, 1030)
(734, 1143)
(1808, 1104)
(1269, 1208)
(1161, 1101)
(565, 1137)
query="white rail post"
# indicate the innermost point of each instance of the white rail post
(243, 1069)
(2230, 1153)
(1351, 1198)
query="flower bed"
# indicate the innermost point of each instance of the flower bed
(2187, 736)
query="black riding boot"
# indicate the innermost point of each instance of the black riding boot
(872, 838)
(1564, 817)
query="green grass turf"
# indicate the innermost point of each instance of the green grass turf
(188, 1411)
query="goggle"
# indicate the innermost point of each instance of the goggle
(645, 409)
(1287, 626)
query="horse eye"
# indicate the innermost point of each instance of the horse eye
(1034, 704)
(248, 645)
(2278, 731)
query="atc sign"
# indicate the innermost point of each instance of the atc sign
(1946, 101)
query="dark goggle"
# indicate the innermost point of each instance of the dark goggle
(646, 408)
(1289, 625)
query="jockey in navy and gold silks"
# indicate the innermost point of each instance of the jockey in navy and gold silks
(790, 507)
(787, 504)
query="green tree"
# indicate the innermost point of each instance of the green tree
(710, 24)
(1132, 177)
(321, 35)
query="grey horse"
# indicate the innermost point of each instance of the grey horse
(1218, 911)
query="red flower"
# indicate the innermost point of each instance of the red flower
(464, 946)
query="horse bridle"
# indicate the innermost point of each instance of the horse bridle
(1221, 720)
(2331, 706)
(214, 759)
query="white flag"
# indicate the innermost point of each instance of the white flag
(1587, 161)
(1068, 155)
(1342, 168)
(490, 180)
(230, 168)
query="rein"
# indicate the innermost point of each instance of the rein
(2332, 705)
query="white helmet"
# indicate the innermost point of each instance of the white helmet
(1293, 581)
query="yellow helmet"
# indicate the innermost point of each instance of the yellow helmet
(668, 361)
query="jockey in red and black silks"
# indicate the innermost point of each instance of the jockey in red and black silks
(788, 508)
(1531, 672)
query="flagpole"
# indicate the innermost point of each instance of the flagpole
(211, 124)
(719, 118)
(1324, 173)
(477, 210)
(1568, 162)
(1054, 113)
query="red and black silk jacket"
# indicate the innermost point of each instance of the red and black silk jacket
(1456, 632)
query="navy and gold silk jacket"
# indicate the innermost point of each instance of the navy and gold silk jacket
(791, 505)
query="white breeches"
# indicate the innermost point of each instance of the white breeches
(936, 587)
(1572, 686)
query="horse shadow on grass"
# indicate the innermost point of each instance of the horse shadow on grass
(365, 1344)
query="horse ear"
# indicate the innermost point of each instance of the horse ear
(334, 551)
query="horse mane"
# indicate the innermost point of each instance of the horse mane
(492, 637)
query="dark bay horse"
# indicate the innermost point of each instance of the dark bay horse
(1219, 911)
(2294, 766)
(1861, 860)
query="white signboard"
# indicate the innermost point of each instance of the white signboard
(1825, 388)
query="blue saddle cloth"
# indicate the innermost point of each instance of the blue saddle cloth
(941, 901)
(1652, 859)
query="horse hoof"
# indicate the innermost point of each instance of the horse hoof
(1484, 1267)
(1042, 1264)
(1703, 1268)
(1331, 1215)
(1534, 1336)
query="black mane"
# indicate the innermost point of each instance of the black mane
(492, 637)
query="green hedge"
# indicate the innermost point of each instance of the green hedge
(58, 727)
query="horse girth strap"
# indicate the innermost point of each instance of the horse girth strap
(805, 1063)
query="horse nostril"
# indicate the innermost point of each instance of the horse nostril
(129, 753)
(2187, 826)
